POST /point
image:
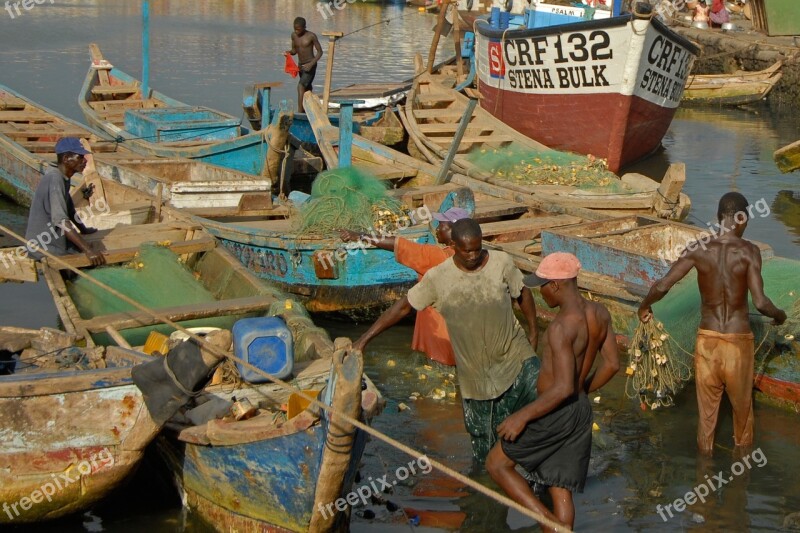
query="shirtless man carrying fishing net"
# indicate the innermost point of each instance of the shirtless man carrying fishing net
(727, 267)
(551, 437)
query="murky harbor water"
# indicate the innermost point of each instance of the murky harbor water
(204, 51)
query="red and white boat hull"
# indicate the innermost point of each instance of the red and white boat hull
(607, 87)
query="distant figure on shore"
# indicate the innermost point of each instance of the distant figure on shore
(52, 222)
(719, 13)
(306, 45)
(701, 12)
(430, 331)
(728, 266)
(496, 361)
(551, 437)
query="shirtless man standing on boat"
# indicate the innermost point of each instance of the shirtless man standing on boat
(306, 45)
(727, 267)
(551, 437)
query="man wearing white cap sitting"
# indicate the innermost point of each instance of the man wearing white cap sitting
(551, 437)
(430, 330)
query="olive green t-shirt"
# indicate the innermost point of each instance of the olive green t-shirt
(488, 341)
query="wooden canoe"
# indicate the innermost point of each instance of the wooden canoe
(158, 125)
(788, 157)
(432, 114)
(294, 466)
(28, 134)
(739, 88)
(70, 436)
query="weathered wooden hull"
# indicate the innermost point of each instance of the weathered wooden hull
(325, 274)
(788, 157)
(186, 184)
(27, 149)
(740, 88)
(607, 87)
(268, 485)
(68, 439)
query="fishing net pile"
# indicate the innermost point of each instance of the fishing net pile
(156, 278)
(655, 373)
(348, 198)
(547, 167)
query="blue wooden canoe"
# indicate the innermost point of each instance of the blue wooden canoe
(273, 473)
(155, 124)
(69, 436)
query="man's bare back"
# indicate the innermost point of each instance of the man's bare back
(728, 266)
(551, 437)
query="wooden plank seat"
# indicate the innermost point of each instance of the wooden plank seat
(39, 147)
(450, 129)
(438, 113)
(25, 116)
(432, 98)
(42, 132)
(127, 103)
(497, 207)
(479, 139)
(524, 228)
(384, 172)
(103, 90)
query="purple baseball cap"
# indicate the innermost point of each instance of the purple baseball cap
(451, 215)
(71, 144)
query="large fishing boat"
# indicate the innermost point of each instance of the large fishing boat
(608, 87)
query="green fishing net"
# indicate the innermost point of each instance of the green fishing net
(155, 278)
(680, 313)
(348, 198)
(547, 167)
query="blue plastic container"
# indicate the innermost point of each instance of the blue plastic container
(266, 343)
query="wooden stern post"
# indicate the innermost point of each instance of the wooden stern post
(332, 36)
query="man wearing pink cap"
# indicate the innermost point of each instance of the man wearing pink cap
(430, 330)
(551, 437)
(497, 364)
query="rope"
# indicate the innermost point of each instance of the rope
(357, 423)
(177, 383)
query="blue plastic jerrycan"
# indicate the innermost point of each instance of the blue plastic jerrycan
(266, 343)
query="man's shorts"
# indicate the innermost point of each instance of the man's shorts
(556, 447)
(306, 78)
(481, 417)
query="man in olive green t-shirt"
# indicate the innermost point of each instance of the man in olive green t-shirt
(496, 361)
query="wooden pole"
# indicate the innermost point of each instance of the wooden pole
(346, 132)
(457, 41)
(332, 36)
(443, 178)
(437, 34)
(145, 50)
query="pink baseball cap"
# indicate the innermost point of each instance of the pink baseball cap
(556, 266)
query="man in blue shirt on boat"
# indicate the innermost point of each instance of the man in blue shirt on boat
(308, 50)
(52, 222)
